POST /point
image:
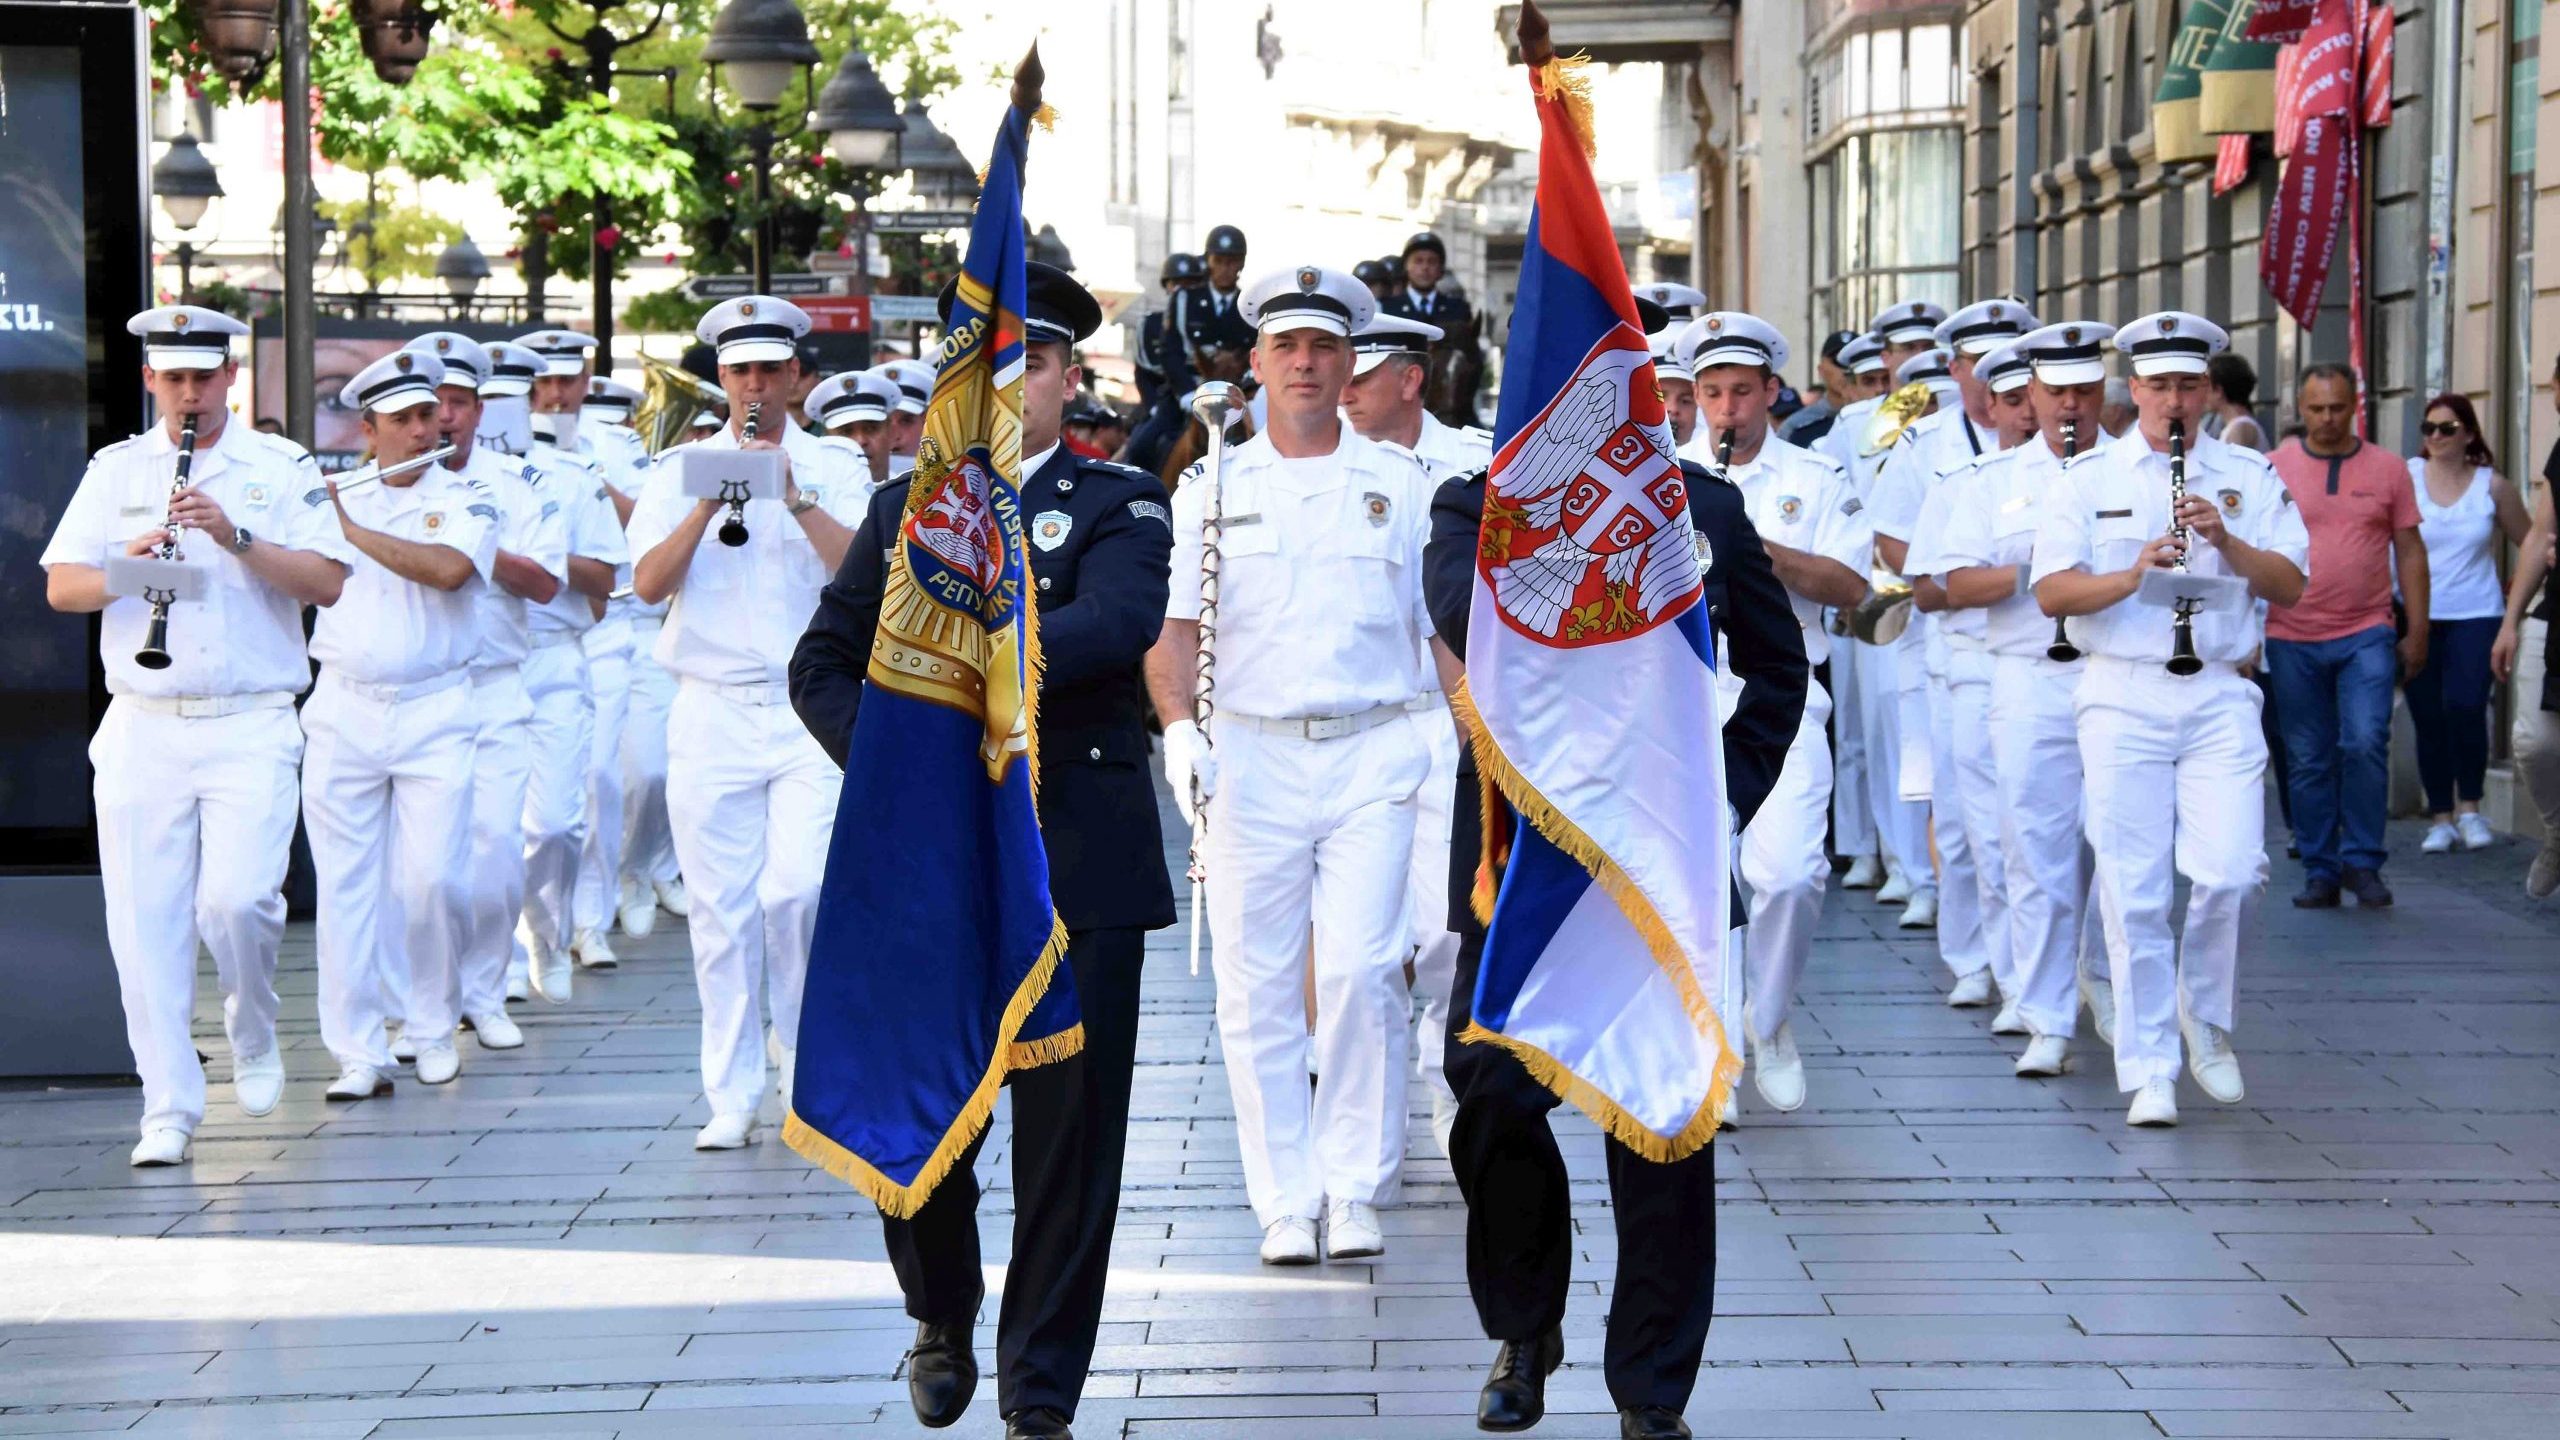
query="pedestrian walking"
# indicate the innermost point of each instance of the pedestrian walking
(2464, 505)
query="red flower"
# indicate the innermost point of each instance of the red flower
(547, 223)
(551, 54)
(671, 257)
(730, 179)
(608, 236)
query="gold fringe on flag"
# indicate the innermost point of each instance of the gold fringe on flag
(1563, 80)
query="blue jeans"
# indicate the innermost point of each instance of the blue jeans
(2449, 709)
(2333, 699)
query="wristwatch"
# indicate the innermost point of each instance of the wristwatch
(241, 540)
(802, 506)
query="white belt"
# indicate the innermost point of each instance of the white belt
(208, 707)
(1320, 727)
(395, 694)
(770, 693)
(1428, 702)
(2161, 665)
(546, 639)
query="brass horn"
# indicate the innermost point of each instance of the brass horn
(670, 396)
(1881, 618)
(1894, 416)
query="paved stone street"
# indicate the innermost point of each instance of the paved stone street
(2369, 1247)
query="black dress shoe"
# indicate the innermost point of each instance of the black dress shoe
(1652, 1422)
(942, 1373)
(1041, 1423)
(2367, 887)
(1515, 1394)
(2318, 893)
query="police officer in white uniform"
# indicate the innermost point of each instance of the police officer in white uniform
(858, 410)
(1816, 534)
(1314, 774)
(386, 769)
(532, 551)
(750, 797)
(1983, 558)
(195, 759)
(1383, 402)
(1853, 817)
(2176, 764)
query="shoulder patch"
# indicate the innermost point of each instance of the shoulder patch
(1116, 468)
(600, 492)
(485, 512)
(550, 508)
(1150, 510)
(1852, 505)
(316, 495)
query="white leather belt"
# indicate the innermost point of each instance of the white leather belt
(484, 674)
(208, 707)
(1427, 702)
(546, 639)
(395, 694)
(1318, 727)
(773, 693)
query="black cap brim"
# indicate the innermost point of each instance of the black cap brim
(1649, 316)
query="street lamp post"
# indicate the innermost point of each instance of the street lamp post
(462, 267)
(864, 131)
(760, 43)
(185, 182)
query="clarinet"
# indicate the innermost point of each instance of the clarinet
(154, 654)
(1724, 455)
(2182, 633)
(2062, 651)
(733, 531)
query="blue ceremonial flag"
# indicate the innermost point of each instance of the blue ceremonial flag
(1591, 690)
(937, 961)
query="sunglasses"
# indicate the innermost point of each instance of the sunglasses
(2446, 428)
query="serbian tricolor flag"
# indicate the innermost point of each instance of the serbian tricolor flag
(1591, 690)
(936, 964)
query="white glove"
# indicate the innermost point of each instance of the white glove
(1188, 757)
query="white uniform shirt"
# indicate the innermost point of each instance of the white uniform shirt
(530, 524)
(1799, 499)
(740, 610)
(2116, 500)
(1446, 450)
(1992, 518)
(245, 636)
(385, 630)
(1320, 608)
(624, 458)
(590, 529)
(1935, 444)
(1846, 437)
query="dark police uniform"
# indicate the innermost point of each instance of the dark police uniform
(1519, 1210)
(1101, 543)
(1207, 319)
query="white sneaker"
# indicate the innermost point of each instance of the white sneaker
(672, 899)
(495, 1032)
(1444, 1118)
(547, 967)
(1777, 1071)
(519, 985)
(1865, 873)
(786, 1063)
(1289, 1240)
(1897, 887)
(2439, 841)
(403, 1049)
(2211, 1060)
(359, 1082)
(2155, 1103)
(2476, 834)
(2100, 997)
(1922, 912)
(438, 1063)
(1351, 1231)
(167, 1145)
(1971, 990)
(726, 1132)
(2045, 1056)
(256, 1085)
(637, 909)
(2008, 1021)
(592, 951)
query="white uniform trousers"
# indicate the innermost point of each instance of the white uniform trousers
(195, 820)
(1435, 945)
(386, 797)
(1784, 872)
(2055, 934)
(1973, 901)
(1853, 819)
(752, 801)
(1902, 826)
(608, 649)
(555, 796)
(648, 849)
(1314, 833)
(501, 762)
(2176, 777)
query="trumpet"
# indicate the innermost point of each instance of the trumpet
(733, 531)
(2062, 650)
(154, 654)
(1210, 405)
(2182, 634)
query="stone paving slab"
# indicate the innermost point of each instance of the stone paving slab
(2369, 1246)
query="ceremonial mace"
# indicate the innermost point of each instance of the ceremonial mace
(1211, 406)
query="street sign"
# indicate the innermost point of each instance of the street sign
(729, 287)
(838, 313)
(918, 222)
(905, 310)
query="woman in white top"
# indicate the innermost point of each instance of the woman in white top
(2462, 505)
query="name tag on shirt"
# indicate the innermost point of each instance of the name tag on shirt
(1250, 519)
(2115, 514)
(2016, 503)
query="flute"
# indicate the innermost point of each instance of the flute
(384, 472)
(154, 654)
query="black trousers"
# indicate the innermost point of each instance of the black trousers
(1070, 1129)
(1520, 1222)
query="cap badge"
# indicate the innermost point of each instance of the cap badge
(180, 320)
(1994, 312)
(2168, 324)
(405, 361)
(443, 346)
(746, 307)
(1715, 324)
(1307, 277)
(2070, 334)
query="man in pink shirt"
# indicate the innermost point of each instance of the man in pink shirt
(2332, 658)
